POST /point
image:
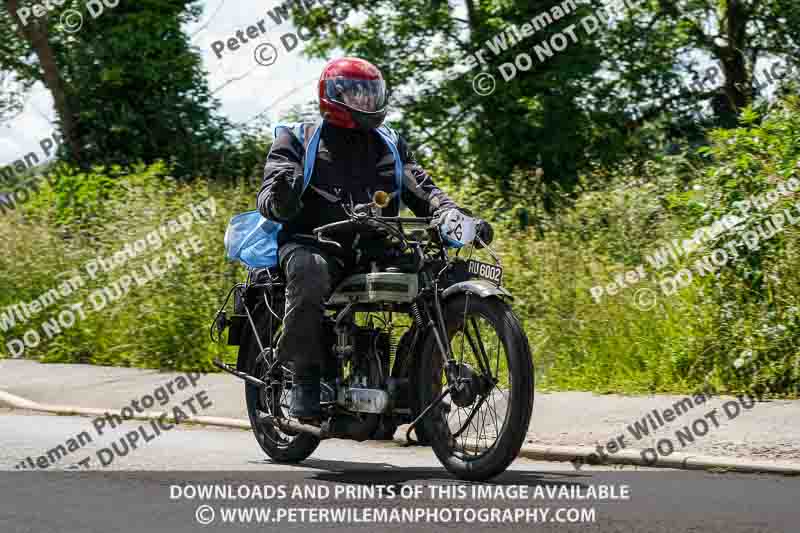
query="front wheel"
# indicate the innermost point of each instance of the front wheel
(479, 428)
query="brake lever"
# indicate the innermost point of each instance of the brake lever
(361, 209)
(323, 240)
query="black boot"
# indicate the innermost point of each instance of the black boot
(305, 398)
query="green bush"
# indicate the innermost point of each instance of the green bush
(733, 330)
(161, 324)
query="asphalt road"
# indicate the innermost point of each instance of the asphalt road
(154, 488)
(768, 431)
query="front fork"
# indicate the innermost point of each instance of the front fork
(437, 324)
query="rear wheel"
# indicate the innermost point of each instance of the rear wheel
(478, 430)
(279, 446)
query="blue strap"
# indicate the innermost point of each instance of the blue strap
(391, 139)
(311, 156)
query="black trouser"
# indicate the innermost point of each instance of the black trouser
(310, 275)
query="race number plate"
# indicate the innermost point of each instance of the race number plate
(484, 270)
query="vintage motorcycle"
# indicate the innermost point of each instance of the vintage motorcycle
(418, 336)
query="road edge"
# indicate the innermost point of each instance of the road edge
(577, 455)
(17, 402)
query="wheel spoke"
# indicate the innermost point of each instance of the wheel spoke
(496, 415)
(473, 435)
(483, 424)
(494, 410)
(480, 352)
(484, 368)
(471, 416)
(458, 412)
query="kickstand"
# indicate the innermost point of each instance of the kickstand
(434, 403)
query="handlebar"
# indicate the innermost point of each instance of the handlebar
(334, 225)
(373, 222)
(366, 221)
(361, 215)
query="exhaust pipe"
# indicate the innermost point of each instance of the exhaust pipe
(290, 426)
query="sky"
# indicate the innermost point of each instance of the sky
(243, 86)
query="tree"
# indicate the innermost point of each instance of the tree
(427, 52)
(22, 38)
(127, 86)
(681, 54)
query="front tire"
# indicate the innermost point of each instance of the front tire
(496, 366)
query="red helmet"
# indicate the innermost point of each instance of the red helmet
(352, 94)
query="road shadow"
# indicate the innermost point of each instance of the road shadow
(355, 472)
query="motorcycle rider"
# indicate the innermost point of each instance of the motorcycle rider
(353, 160)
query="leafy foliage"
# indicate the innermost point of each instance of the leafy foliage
(161, 324)
(133, 87)
(734, 330)
(588, 162)
(536, 120)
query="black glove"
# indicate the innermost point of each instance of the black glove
(485, 233)
(284, 201)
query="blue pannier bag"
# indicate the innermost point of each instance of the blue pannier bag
(252, 239)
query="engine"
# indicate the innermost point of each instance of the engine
(363, 355)
(357, 375)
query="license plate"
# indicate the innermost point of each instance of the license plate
(486, 271)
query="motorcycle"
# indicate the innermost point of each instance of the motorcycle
(417, 336)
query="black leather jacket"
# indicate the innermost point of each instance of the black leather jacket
(350, 166)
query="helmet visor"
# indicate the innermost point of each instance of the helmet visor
(367, 96)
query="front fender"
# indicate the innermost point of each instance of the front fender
(479, 287)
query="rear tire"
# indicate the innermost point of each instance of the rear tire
(280, 447)
(516, 379)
